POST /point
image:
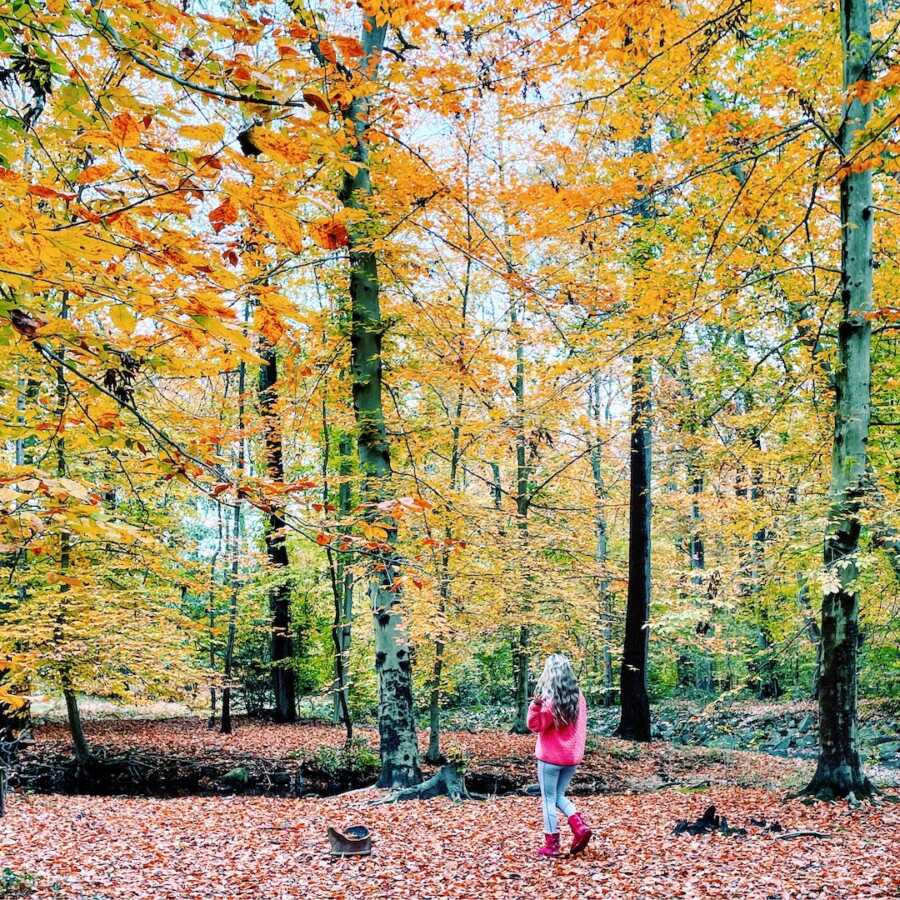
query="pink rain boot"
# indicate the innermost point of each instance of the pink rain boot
(581, 833)
(551, 846)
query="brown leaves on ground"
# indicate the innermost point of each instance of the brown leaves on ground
(497, 761)
(254, 847)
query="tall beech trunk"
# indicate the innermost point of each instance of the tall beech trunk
(393, 664)
(839, 771)
(225, 726)
(601, 544)
(274, 533)
(635, 717)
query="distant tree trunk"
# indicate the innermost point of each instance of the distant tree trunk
(225, 726)
(520, 647)
(703, 670)
(768, 687)
(274, 532)
(763, 676)
(340, 576)
(15, 718)
(76, 729)
(211, 612)
(434, 701)
(635, 721)
(601, 552)
(839, 770)
(887, 540)
(812, 630)
(393, 664)
(73, 714)
(496, 486)
(695, 668)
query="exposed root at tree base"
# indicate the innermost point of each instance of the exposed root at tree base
(446, 782)
(854, 788)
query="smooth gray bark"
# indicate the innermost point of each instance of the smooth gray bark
(839, 771)
(393, 664)
(601, 548)
(225, 725)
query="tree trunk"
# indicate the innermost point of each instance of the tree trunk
(839, 771)
(520, 648)
(15, 718)
(434, 701)
(601, 551)
(274, 531)
(73, 714)
(211, 612)
(396, 715)
(763, 676)
(340, 576)
(76, 729)
(703, 668)
(813, 631)
(225, 726)
(635, 721)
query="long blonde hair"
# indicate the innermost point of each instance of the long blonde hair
(559, 687)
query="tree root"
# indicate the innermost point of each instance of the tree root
(446, 782)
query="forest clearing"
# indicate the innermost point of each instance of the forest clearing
(449, 448)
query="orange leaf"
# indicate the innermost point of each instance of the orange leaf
(330, 234)
(40, 190)
(223, 215)
(314, 98)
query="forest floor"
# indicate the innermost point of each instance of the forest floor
(266, 848)
(210, 839)
(175, 756)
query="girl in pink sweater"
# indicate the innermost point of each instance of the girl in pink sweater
(558, 715)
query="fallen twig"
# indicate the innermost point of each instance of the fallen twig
(796, 834)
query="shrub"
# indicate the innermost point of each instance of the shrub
(358, 759)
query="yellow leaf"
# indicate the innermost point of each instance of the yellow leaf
(207, 134)
(123, 318)
(284, 227)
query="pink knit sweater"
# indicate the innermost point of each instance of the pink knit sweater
(559, 745)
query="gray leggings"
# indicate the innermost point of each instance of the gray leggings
(553, 781)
